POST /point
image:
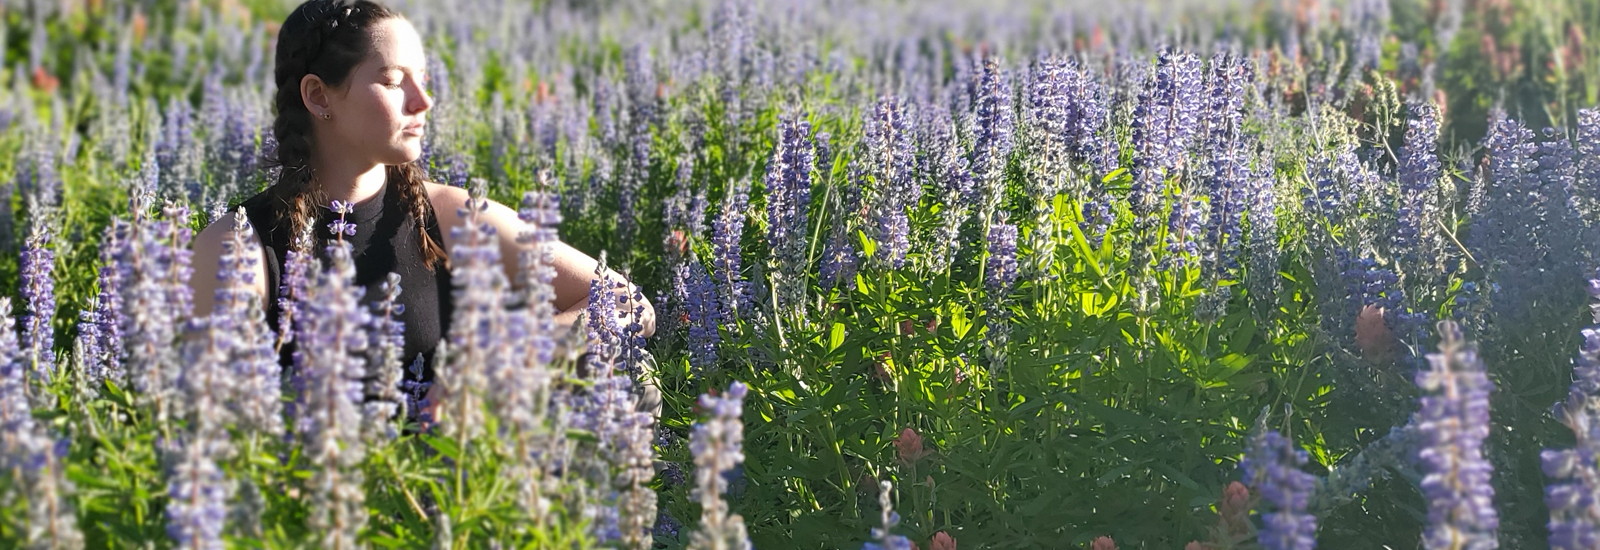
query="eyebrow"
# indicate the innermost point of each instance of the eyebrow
(387, 68)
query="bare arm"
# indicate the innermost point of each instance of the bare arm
(574, 269)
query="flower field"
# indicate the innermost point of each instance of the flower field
(959, 274)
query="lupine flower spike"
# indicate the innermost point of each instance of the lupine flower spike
(39, 297)
(1272, 467)
(1575, 478)
(1454, 421)
(718, 447)
(330, 358)
(882, 536)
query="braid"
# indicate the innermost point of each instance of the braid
(414, 195)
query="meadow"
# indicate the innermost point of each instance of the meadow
(1276, 274)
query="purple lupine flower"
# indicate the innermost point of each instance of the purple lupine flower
(39, 298)
(999, 276)
(179, 258)
(16, 414)
(543, 130)
(329, 363)
(718, 447)
(705, 319)
(542, 212)
(1184, 229)
(666, 525)
(609, 410)
(675, 210)
(236, 152)
(684, 213)
(889, 161)
(641, 88)
(885, 539)
(1416, 240)
(51, 521)
(839, 254)
(604, 113)
(206, 389)
(1098, 215)
(459, 172)
(634, 456)
(213, 103)
(478, 325)
(197, 494)
(1564, 233)
(1454, 421)
(732, 290)
(269, 150)
(1368, 21)
(385, 355)
(1065, 118)
(340, 228)
(992, 138)
(157, 302)
(602, 319)
(523, 389)
(640, 82)
(1574, 476)
(1509, 158)
(1272, 468)
(1262, 277)
(27, 449)
(614, 311)
(101, 325)
(1514, 216)
(788, 186)
(39, 176)
(630, 301)
(1369, 284)
(1165, 120)
(822, 143)
(299, 264)
(1050, 168)
(1586, 186)
(256, 400)
(1002, 268)
(178, 150)
(944, 167)
(1342, 188)
(1228, 170)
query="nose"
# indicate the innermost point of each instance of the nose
(418, 100)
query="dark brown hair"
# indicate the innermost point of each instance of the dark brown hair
(328, 38)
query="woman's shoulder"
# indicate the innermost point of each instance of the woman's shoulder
(445, 198)
(449, 203)
(449, 200)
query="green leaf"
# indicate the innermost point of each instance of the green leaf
(445, 446)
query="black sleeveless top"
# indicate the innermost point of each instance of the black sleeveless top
(386, 240)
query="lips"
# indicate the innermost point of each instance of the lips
(414, 129)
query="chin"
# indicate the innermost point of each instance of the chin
(404, 154)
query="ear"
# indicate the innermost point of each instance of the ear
(315, 94)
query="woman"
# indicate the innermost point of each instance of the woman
(350, 109)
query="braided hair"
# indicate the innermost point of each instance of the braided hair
(328, 38)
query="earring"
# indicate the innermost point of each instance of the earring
(326, 116)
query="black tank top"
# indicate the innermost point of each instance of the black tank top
(386, 240)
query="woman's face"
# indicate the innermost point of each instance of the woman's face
(379, 114)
